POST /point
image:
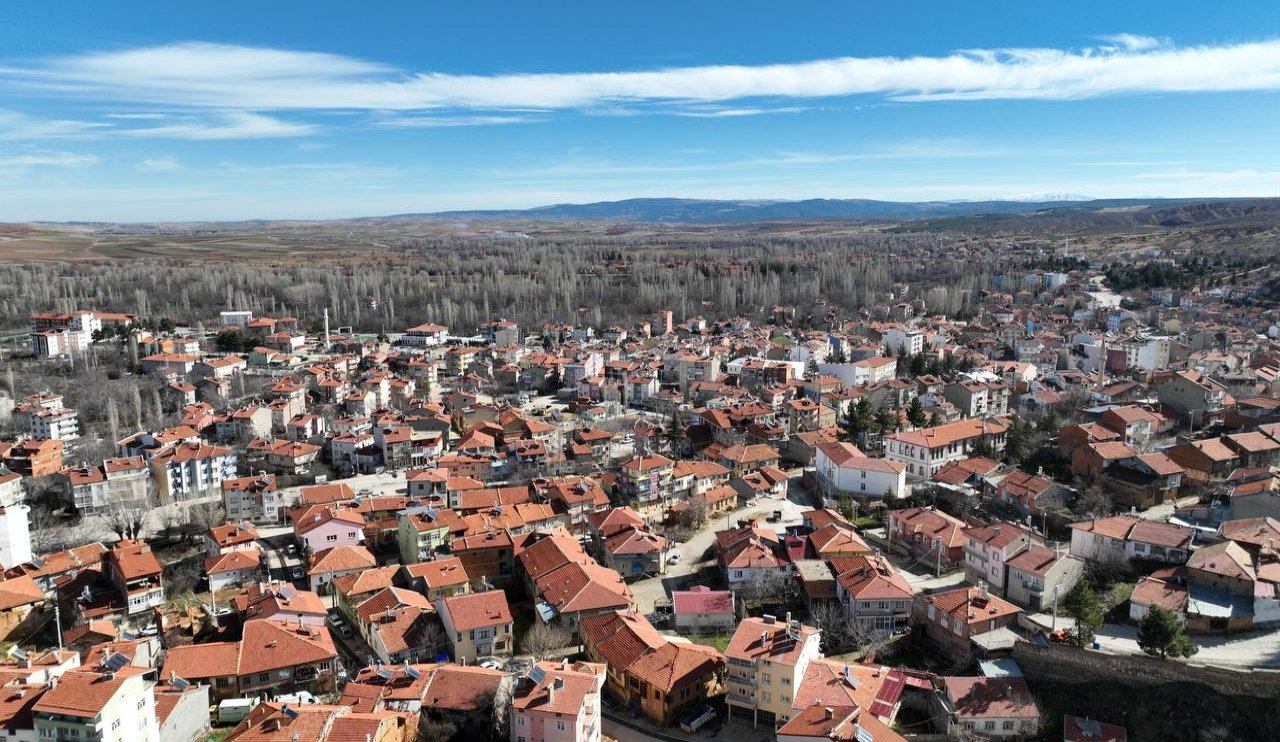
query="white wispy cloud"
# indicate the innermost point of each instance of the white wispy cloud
(232, 125)
(431, 122)
(229, 77)
(22, 164)
(1132, 42)
(159, 165)
(15, 125)
(715, 113)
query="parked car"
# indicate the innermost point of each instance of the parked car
(698, 718)
(674, 558)
(291, 550)
(296, 572)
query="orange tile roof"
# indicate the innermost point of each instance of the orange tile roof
(467, 612)
(84, 694)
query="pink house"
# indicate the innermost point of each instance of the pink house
(321, 527)
(558, 702)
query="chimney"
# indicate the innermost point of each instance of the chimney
(828, 712)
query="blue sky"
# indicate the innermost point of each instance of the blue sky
(228, 110)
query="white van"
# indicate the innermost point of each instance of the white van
(233, 710)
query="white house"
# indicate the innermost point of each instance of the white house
(425, 335)
(844, 470)
(926, 450)
(1124, 537)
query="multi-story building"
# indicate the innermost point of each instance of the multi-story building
(15, 536)
(123, 482)
(843, 470)
(901, 339)
(988, 549)
(926, 450)
(875, 596)
(1039, 577)
(191, 471)
(646, 483)
(98, 706)
(766, 661)
(478, 625)
(256, 499)
(953, 618)
(45, 418)
(272, 657)
(32, 458)
(928, 534)
(647, 672)
(11, 492)
(976, 398)
(1198, 399)
(558, 702)
(136, 574)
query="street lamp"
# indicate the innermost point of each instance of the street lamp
(1054, 626)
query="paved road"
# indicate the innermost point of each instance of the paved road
(1252, 650)
(678, 575)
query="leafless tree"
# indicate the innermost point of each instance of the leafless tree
(125, 519)
(136, 396)
(544, 640)
(113, 419)
(770, 586)
(206, 515)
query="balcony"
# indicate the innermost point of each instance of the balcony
(747, 680)
(737, 662)
(740, 699)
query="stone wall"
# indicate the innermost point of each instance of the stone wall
(1065, 664)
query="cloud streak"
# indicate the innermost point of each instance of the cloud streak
(229, 77)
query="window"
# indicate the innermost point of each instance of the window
(331, 537)
(989, 725)
(766, 679)
(560, 724)
(1007, 726)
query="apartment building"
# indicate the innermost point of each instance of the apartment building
(766, 661)
(124, 481)
(191, 471)
(98, 706)
(646, 483)
(257, 499)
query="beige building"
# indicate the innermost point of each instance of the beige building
(766, 661)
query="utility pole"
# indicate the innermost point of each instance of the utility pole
(1054, 626)
(57, 622)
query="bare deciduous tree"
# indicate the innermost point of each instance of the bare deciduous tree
(125, 519)
(543, 640)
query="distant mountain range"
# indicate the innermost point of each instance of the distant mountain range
(680, 210)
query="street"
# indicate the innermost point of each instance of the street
(1244, 651)
(648, 591)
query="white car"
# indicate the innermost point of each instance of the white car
(674, 558)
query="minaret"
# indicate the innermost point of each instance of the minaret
(326, 329)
